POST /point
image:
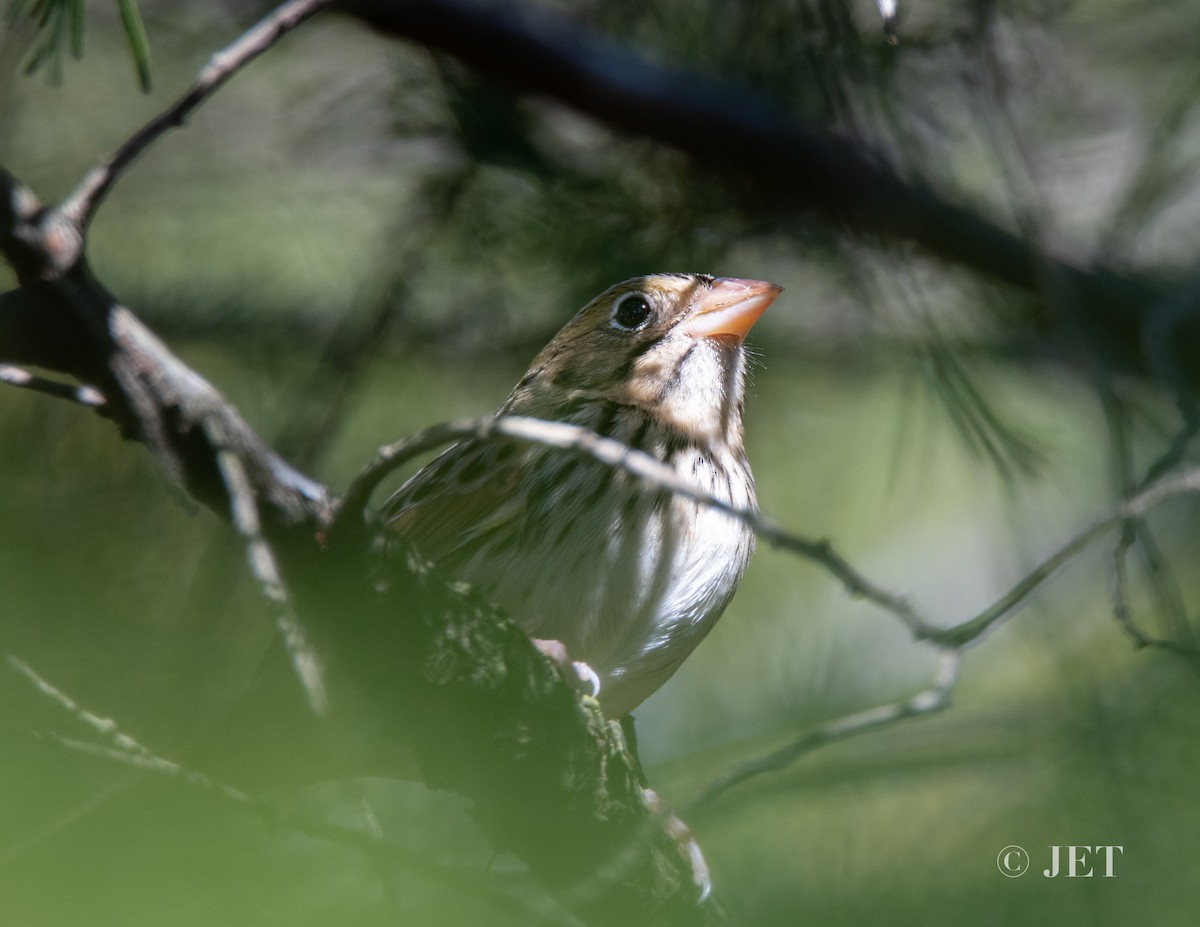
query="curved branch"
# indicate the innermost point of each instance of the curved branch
(655, 475)
(928, 701)
(81, 205)
(786, 164)
(487, 714)
(117, 746)
(973, 629)
(505, 731)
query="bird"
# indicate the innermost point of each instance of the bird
(626, 579)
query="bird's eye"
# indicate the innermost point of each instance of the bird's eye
(631, 312)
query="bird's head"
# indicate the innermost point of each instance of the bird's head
(668, 343)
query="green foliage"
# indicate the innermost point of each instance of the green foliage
(348, 184)
(984, 430)
(61, 24)
(139, 45)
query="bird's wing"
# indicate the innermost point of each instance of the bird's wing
(467, 493)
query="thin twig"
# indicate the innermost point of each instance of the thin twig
(926, 702)
(391, 457)
(1122, 610)
(81, 205)
(1135, 530)
(120, 747)
(537, 51)
(106, 728)
(245, 517)
(957, 637)
(1171, 457)
(654, 474)
(83, 394)
(1119, 588)
(1120, 444)
(973, 629)
(657, 475)
(1170, 602)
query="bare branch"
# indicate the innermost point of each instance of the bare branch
(657, 475)
(33, 243)
(1134, 530)
(81, 205)
(1122, 610)
(263, 566)
(439, 667)
(122, 748)
(787, 164)
(480, 659)
(83, 395)
(106, 728)
(654, 474)
(926, 702)
(1170, 603)
(974, 628)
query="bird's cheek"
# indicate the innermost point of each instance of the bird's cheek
(645, 380)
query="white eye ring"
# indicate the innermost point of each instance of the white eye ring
(631, 312)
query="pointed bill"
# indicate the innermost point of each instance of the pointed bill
(730, 308)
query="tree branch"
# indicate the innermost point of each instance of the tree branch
(81, 205)
(928, 701)
(655, 475)
(973, 629)
(487, 714)
(118, 746)
(264, 568)
(787, 165)
(23, 379)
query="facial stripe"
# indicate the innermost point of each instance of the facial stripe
(626, 369)
(669, 383)
(571, 376)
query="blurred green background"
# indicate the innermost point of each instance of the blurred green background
(355, 239)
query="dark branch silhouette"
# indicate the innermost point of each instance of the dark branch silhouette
(792, 168)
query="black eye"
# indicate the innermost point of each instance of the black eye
(631, 312)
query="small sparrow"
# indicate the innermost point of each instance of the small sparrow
(627, 578)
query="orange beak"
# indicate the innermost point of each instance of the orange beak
(730, 308)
